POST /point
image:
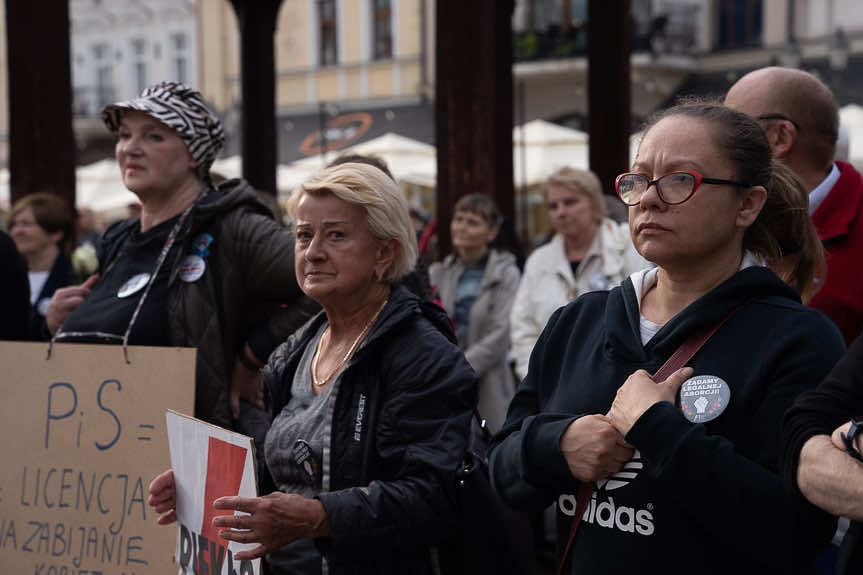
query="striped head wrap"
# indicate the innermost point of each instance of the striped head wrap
(182, 109)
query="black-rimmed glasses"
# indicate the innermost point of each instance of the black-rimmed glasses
(672, 188)
(778, 117)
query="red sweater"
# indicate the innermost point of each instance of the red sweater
(839, 220)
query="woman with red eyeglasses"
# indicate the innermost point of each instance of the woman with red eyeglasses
(679, 471)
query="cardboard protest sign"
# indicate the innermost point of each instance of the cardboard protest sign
(84, 435)
(209, 462)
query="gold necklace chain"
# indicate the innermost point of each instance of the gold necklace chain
(323, 382)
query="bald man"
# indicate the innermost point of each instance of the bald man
(801, 119)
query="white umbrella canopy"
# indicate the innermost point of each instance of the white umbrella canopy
(545, 148)
(407, 159)
(851, 119)
(228, 168)
(99, 187)
(542, 133)
(4, 188)
(287, 177)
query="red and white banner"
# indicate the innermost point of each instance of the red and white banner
(209, 462)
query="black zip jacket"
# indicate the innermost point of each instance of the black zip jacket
(696, 497)
(398, 430)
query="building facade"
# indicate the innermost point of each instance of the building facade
(356, 68)
(684, 47)
(119, 47)
(349, 70)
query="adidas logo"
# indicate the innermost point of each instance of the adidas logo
(607, 514)
(625, 476)
(611, 516)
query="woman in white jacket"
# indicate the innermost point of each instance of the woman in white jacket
(588, 252)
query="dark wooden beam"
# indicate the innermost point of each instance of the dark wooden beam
(609, 44)
(473, 105)
(41, 141)
(257, 22)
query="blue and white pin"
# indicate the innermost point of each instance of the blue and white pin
(193, 265)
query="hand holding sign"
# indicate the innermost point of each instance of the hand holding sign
(639, 392)
(208, 463)
(273, 521)
(163, 497)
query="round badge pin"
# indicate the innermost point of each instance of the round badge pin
(201, 245)
(133, 285)
(306, 460)
(704, 397)
(192, 268)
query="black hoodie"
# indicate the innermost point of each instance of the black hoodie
(703, 498)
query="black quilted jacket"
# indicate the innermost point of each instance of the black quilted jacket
(399, 428)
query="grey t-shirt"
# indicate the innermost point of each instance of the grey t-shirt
(294, 452)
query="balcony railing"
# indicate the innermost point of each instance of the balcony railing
(671, 31)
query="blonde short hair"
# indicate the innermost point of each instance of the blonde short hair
(583, 181)
(387, 214)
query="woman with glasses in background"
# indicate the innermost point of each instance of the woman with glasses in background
(677, 473)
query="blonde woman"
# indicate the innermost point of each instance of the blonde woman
(371, 399)
(588, 252)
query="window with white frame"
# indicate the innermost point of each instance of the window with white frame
(139, 61)
(328, 47)
(382, 31)
(103, 82)
(180, 57)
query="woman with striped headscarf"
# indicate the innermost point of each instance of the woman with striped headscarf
(203, 266)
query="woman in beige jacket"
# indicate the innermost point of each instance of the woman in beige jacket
(588, 252)
(477, 285)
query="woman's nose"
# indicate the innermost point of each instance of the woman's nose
(650, 198)
(131, 145)
(314, 251)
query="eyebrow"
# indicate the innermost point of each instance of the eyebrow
(325, 224)
(679, 166)
(145, 125)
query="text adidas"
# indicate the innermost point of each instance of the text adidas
(606, 514)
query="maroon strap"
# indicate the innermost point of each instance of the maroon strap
(581, 501)
(677, 360)
(685, 352)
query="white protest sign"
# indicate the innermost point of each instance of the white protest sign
(209, 462)
(84, 435)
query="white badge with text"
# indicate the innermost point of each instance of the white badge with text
(192, 268)
(704, 397)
